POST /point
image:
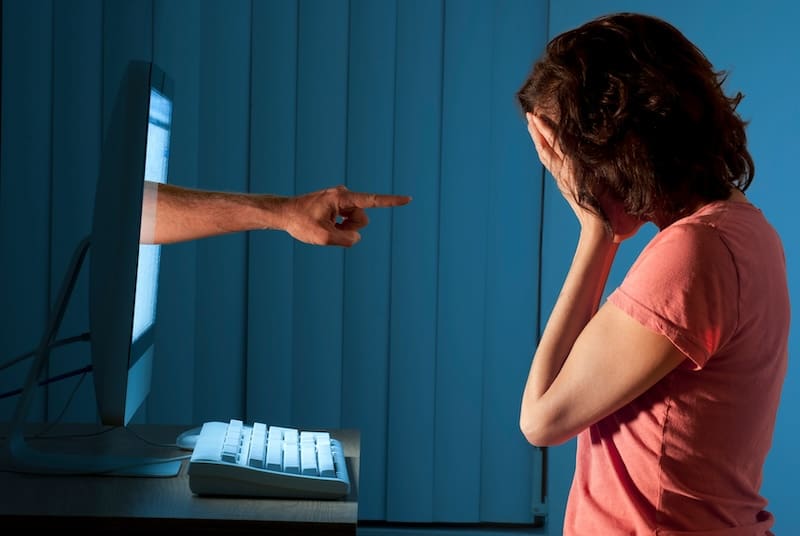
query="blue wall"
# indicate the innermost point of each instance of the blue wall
(425, 328)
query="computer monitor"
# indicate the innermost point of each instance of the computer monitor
(123, 286)
(123, 282)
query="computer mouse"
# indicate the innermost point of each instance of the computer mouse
(187, 439)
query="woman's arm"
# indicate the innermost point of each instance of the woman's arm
(587, 365)
(576, 304)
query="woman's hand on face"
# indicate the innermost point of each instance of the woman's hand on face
(560, 167)
(553, 159)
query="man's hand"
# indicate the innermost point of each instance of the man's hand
(332, 217)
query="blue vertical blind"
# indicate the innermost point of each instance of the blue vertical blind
(420, 336)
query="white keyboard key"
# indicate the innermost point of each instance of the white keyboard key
(325, 459)
(235, 427)
(290, 436)
(308, 458)
(233, 441)
(291, 458)
(275, 455)
(307, 438)
(323, 437)
(230, 450)
(258, 448)
(233, 438)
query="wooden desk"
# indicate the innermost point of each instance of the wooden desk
(128, 505)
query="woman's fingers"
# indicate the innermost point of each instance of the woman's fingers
(548, 134)
(544, 139)
(538, 140)
(550, 155)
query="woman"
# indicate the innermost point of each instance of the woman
(672, 384)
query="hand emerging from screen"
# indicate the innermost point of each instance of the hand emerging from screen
(623, 225)
(332, 217)
(329, 217)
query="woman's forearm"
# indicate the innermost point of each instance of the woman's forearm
(576, 304)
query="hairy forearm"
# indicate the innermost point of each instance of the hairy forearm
(174, 214)
(577, 302)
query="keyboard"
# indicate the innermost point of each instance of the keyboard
(236, 459)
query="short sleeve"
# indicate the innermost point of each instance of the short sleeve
(684, 285)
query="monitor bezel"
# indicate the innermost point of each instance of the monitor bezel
(121, 367)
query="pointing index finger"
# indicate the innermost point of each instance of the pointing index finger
(366, 200)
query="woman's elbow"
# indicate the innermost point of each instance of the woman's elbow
(541, 431)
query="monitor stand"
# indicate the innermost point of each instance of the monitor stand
(17, 456)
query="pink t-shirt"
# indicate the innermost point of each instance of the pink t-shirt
(686, 457)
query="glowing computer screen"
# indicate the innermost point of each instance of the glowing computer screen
(155, 170)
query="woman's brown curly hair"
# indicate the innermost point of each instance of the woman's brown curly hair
(642, 114)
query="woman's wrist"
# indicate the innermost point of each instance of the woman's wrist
(595, 232)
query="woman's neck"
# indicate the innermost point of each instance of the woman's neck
(664, 220)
